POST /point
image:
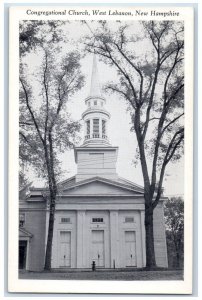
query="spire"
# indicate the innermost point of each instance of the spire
(95, 116)
(95, 85)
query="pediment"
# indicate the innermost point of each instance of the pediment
(100, 186)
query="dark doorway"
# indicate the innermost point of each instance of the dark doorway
(22, 254)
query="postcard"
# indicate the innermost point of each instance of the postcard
(100, 149)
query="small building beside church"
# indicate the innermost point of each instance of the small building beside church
(99, 216)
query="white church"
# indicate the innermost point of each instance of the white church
(99, 216)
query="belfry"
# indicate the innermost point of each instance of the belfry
(99, 216)
(96, 157)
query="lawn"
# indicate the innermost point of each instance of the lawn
(104, 275)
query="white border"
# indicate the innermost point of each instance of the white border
(60, 286)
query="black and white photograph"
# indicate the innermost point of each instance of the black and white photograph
(103, 145)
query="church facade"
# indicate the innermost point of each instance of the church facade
(99, 216)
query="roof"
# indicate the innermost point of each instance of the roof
(24, 233)
(91, 187)
(71, 183)
(95, 85)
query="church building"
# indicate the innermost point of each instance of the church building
(99, 216)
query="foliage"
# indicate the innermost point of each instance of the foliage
(36, 33)
(42, 105)
(44, 94)
(174, 220)
(23, 181)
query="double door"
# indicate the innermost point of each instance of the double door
(65, 249)
(130, 249)
(98, 247)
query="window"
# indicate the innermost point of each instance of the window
(65, 220)
(129, 219)
(88, 127)
(96, 126)
(95, 102)
(103, 127)
(88, 103)
(97, 220)
(22, 220)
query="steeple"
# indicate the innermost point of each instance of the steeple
(96, 157)
(95, 116)
(95, 84)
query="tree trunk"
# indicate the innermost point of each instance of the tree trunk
(53, 193)
(48, 256)
(177, 252)
(177, 259)
(150, 253)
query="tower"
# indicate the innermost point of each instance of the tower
(95, 117)
(96, 157)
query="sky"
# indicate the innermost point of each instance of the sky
(119, 125)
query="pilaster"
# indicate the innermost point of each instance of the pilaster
(81, 239)
(114, 238)
(142, 217)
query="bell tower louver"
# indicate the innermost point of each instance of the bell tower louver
(95, 157)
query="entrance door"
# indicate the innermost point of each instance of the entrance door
(65, 248)
(130, 249)
(22, 254)
(98, 247)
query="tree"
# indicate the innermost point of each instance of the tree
(174, 220)
(31, 35)
(150, 78)
(46, 130)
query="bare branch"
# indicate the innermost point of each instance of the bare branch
(176, 61)
(148, 89)
(124, 73)
(152, 119)
(122, 93)
(30, 111)
(172, 147)
(135, 67)
(26, 123)
(171, 122)
(174, 94)
(151, 100)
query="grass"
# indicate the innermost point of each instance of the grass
(130, 274)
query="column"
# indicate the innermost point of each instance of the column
(142, 213)
(27, 266)
(80, 257)
(91, 128)
(100, 127)
(114, 239)
(106, 128)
